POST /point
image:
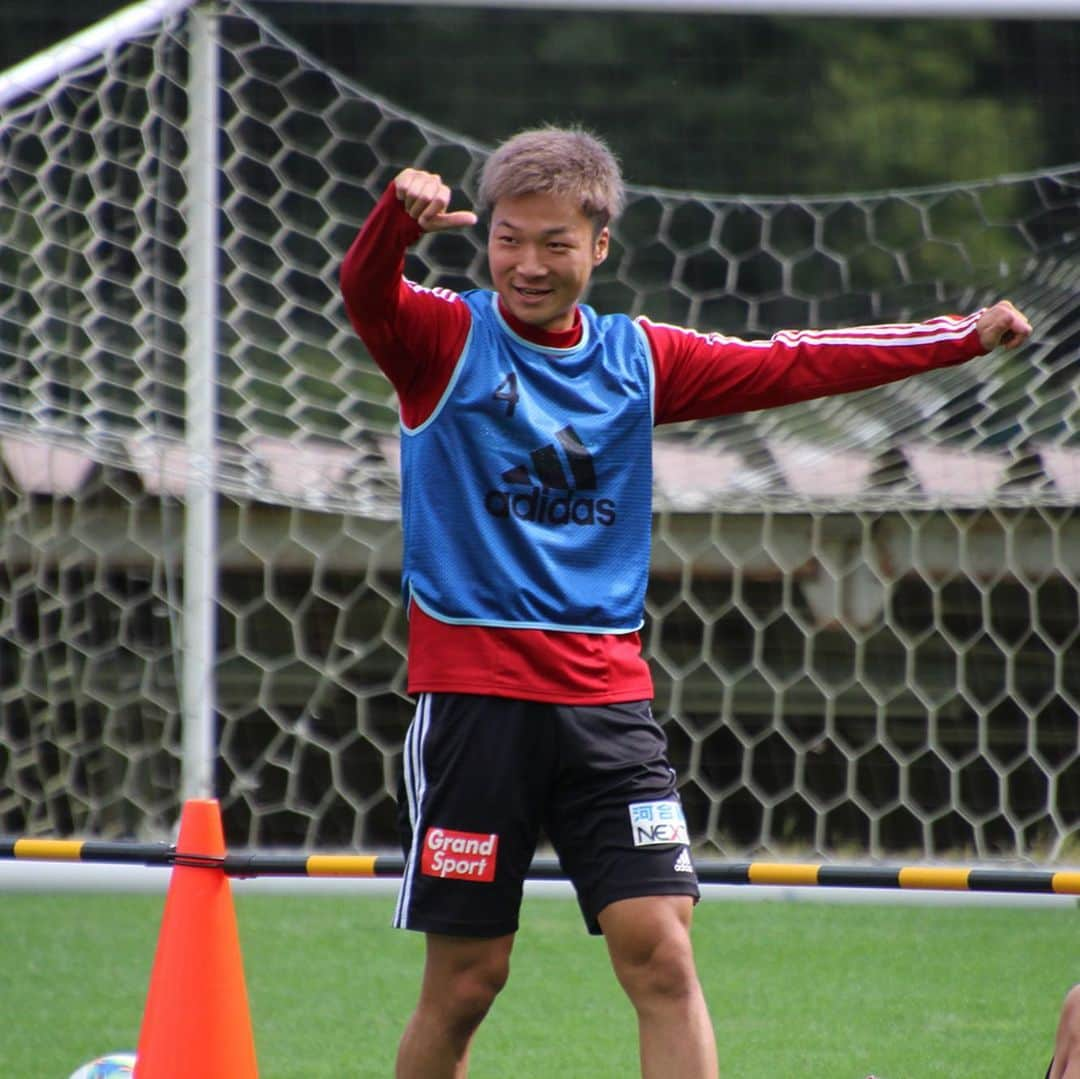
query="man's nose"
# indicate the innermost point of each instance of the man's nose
(530, 262)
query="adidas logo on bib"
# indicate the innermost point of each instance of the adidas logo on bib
(684, 864)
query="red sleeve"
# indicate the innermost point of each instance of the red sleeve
(703, 375)
(414, 334)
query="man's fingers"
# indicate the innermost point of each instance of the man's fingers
(410, 185)
(1003, 325)
(426, 198)
(417, 190)
(1015, 330)
(456, 219)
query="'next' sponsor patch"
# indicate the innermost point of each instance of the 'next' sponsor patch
(655, 824)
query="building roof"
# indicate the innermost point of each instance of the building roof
(778, 474)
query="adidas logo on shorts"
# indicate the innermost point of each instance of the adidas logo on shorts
(683, 864)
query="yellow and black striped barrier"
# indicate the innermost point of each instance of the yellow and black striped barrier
(29, 849)
(784, 874)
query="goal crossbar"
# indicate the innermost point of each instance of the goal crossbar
(40, 68)
(863, 9)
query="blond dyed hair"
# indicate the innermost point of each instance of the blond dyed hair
(571, 163)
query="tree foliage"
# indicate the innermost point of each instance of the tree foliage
(750, 104)
(742, 104)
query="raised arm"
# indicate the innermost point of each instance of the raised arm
(703, 375)
(414, 334)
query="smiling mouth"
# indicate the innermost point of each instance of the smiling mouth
(532, 293)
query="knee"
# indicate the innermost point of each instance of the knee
(471, 993)
(480, 986)
(660, 973)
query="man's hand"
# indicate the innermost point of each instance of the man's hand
(1002, 325)
(426, 199)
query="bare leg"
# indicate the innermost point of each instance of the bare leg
(649, 942)
(462, 977)
(1067, 1043)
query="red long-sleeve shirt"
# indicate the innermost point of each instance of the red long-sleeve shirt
(416, 336)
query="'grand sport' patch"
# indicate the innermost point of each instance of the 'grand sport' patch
(459, 855)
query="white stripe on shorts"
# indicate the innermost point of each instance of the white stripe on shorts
(415, 785)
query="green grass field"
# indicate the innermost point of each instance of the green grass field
(796, 989)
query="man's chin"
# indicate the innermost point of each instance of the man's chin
(540, 315)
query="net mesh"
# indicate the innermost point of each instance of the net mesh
(863, 611)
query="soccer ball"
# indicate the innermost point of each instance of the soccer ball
(113, 1066)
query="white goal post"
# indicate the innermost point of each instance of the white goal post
(863, 614)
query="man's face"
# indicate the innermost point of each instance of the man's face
(542, 250)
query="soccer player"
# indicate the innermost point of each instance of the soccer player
(526, 423)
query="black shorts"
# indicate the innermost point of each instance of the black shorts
(484, 777)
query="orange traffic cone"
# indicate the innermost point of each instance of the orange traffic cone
(196, 1021)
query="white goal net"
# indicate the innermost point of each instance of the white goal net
(863, 614)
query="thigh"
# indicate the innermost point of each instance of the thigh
(615, 817)
(470, 813)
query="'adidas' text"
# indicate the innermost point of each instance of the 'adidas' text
(544, 508)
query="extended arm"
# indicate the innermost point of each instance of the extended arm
(703, 375)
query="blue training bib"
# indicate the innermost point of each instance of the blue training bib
(527, 494)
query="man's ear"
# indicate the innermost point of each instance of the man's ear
(601, 245)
